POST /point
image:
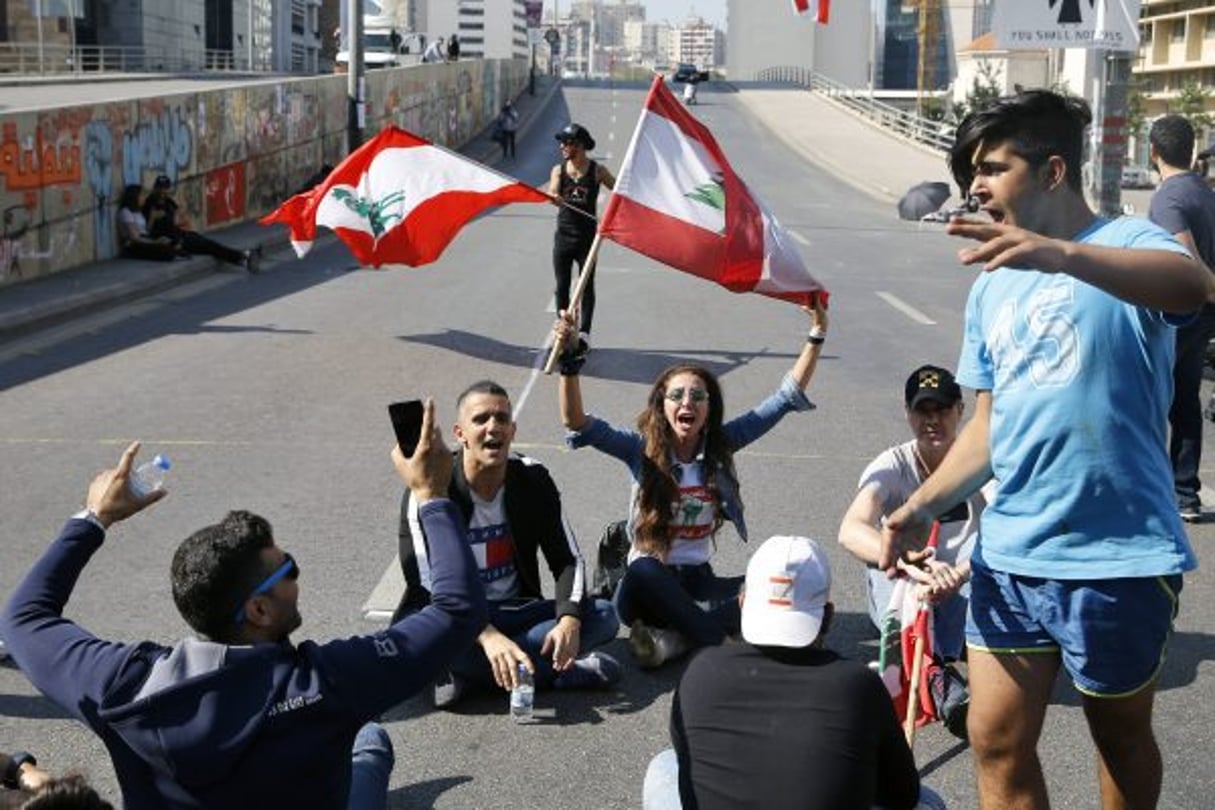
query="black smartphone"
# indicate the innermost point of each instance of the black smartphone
(407, 424)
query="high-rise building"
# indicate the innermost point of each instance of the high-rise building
(699, 43)
(487, 29)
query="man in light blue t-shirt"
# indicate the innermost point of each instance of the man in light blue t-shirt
(1068, 343)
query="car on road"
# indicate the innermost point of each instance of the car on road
(1136, 177)
(686, 72)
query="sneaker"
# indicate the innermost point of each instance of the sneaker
(253, 259)
(950, 697)
(594, 671)
(449, 688)
(654, 646)
(1191, 513)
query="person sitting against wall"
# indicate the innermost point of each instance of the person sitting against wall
(133, 234)
(166, 219)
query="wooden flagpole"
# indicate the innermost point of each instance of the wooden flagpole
(917, 674)
(588, 267)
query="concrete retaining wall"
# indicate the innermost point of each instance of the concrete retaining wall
(234, 153)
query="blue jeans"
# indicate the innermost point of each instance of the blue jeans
(660, 790)
(1185, 414)
(702, 606)
(527, 625)
(371, 761)
(948, 617)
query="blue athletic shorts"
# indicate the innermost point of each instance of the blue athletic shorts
(1111, 634)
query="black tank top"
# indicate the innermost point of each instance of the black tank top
(582, 194)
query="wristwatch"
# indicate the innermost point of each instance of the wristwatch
(11, 778)
(90, 516)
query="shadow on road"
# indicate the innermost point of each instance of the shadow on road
(424, 794)
(33, 707)
(605, 363)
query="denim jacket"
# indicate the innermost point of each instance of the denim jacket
(628, 445)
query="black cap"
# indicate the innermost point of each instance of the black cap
(162, 181)
(931, 384)
(578, 134)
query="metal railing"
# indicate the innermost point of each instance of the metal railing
(31, 59)
(933, 134)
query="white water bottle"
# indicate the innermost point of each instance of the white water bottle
(149, 476)
(523, 696)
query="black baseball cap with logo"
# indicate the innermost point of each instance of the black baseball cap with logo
(931, 384)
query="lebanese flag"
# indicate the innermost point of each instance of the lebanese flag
(819, 8)
(906, 619)
(678, 201)
(398, 199)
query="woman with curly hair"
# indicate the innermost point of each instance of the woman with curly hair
(684, 488)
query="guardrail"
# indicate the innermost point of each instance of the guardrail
(56, 58)
(933, 134)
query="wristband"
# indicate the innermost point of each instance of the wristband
(571, 364)
(816, 337)
(11, 777)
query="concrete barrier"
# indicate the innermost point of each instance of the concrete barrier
(234, 153)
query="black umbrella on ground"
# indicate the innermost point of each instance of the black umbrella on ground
(923, 198)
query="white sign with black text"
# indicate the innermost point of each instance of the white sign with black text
(1111, 25)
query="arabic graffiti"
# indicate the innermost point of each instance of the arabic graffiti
(372, 210)
(34, 164)
(163, 143)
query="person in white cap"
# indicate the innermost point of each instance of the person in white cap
(781, 721)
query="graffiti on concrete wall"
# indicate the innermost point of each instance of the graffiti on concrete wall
(225, 193)
(233, 153)
(99, 173)
(28, 163)
(160, 143)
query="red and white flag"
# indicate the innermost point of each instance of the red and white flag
(398, 199)
(908, 618)
(819, 8)
(678, 201)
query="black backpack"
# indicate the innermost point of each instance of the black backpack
(611, 559)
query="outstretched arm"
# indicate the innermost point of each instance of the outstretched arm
(569, 390)
(66, 662)
(1156, 279)
(807, 361)
(966, 467)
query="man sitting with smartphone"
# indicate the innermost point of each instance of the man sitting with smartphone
(513, 511)
(243, 716)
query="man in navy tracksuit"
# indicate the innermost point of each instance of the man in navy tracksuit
(244, 718)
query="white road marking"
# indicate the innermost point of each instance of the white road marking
(803, 240)
(906, 309)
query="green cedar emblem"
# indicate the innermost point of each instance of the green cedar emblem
(372, 210)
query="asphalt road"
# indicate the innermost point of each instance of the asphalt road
(268, 392)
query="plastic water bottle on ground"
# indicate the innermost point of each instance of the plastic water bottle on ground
(149, 476)
(523, 696)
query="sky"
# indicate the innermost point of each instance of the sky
(674, 11)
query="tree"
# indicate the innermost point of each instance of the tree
(1191, 104)
(984, 89)
(1136, 107)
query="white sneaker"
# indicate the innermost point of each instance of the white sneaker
(654, 646)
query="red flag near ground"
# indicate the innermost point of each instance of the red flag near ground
(819, 8)
(398, 199)
(678, 201)
(908, 619)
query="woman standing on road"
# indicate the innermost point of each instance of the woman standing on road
(684, 488)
